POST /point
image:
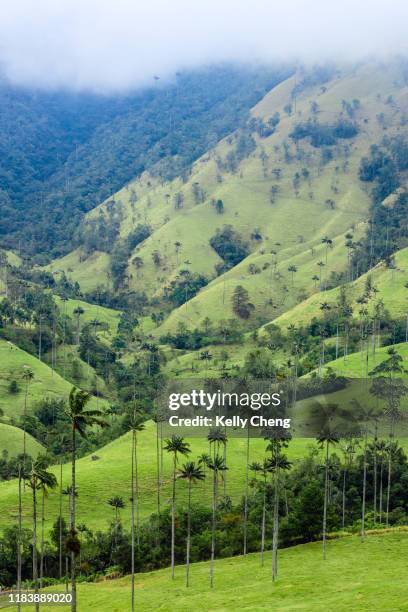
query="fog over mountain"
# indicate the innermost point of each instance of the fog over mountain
(106, 46)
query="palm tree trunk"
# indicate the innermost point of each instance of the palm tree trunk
(263, 523)
(214, 517)
(343, 519)
(387, 510)
(158, 467)
(326, 482)
(246, 493)
(133, 522)
(19, 542)
(188, 535)
(137, 494)
(173, 517)
(275, 527)
(364, 487)
(381, 492)
(42, 538)
(72, 521)
(375, 481)
(60, 522)
(35, 566)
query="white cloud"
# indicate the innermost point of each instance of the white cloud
(116, 44)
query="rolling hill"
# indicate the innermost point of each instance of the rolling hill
(13, 361)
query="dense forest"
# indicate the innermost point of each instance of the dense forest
(63, 153)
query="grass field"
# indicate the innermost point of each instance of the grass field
(98, 480)
(357, 576)
(11, 440)
(13, 361)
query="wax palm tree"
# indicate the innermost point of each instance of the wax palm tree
(136, 425)
(177, 446)
(117, 503)
(203, 460)
(277, 462)
(256, 468)
(44, 487)
(80, 420)
(382, 450)
(38, 479)
(28, 376)
(78, 312)
(192, 473)
(348, 449)
(364, 415)
(216, 465)
(327, 436)
(265, 469)
(389, 386)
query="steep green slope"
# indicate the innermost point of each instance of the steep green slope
(354, 577)
(389, 283)
(11, 440)
(318, 194)
(108, 317)
(13, 361)
(357, 364)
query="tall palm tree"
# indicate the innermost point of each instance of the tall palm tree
(136, 424)
(265, 469)
(39, 479)
(277, 462)
(348, 449)
(80, 419)
(78, 312)
(364, 416)
(28, 376)
(177, 446)
(117, 503)
(216, 465)
(328, 423)
(192, 473)
(19, 542)
(204, 459)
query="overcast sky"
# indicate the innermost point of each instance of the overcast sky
(116, 44)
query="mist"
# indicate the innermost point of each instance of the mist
(108, 46)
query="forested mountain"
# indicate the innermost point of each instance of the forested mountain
(63, 153)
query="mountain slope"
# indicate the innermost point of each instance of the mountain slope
(317, 194)
(13, 361)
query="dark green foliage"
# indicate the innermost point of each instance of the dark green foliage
(62, 154)
(185, 286)
(230, 246)
(240, 303)
(324, 134)
(388, 226)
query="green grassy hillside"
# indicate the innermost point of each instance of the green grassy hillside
(11, 440)
(108, 317)
(13, 361)
(355, 365)
(354, 577)
(109, 475)
(328, 201)
(389, 283)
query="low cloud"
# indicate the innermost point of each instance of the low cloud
(108, 45)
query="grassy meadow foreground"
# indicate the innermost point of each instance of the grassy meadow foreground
(354, 577)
